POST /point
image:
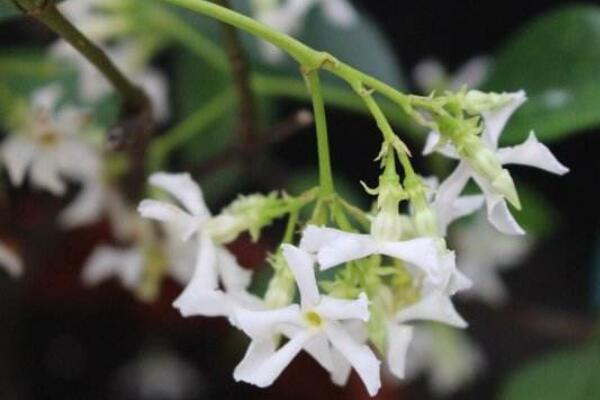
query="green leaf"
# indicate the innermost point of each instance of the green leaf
(571, 374)
(7, 10)
(556, 59)
(362, 45)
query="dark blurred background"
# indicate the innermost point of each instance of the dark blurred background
(61, 341)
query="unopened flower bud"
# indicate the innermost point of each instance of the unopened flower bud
(476, 102)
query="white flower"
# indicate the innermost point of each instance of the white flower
(430, 75)
(215, 265)
(159, 373)
(10, 261)
(448, 205)
(334, 247)
(316, 325)
(448, 356)
(48, 144)
(288, 16)
(531, 153)
(434, 305)
(93, 86)
(483, 254)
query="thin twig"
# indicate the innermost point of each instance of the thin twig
(248, 125)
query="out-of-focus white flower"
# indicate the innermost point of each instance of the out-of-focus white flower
(10, 261)
(316, 325)
(288, 16)
(93, 86)
(106, 262)
(447, 356)
(48, 143)
(531, 153)
(215, 265)
(158, 374)
(430, 75)
(483, 254)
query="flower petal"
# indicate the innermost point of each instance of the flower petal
(340, 12)
(205, 278)
(534, 154)
(495, 120)
(261, 366)
(185, 223)
(86, 209)
(340, 309)
(205, 302)
(435, 306)
(500, 216)
(106, 262)
(264, 323)
(183, 188)
(399, 338)
(465, 205)
(422, 252)
(302, 266)
(18, 153)
(233, 276)
(360, 356)
(472, 73)
(10, 261)
(334, 247)
(45, 174)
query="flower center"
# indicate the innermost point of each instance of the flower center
(313, 319)
(48, 139)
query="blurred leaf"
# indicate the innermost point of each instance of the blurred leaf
(363, 45)
(7, 10)
(556, 59)
(537, 215)
(572, 375)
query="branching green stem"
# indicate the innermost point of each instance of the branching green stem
(325, 174)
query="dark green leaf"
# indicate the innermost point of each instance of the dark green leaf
(572, 375)
(556, 59)
(362, 45)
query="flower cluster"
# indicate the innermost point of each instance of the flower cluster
(385, 280)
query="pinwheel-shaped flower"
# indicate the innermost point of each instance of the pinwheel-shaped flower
(435, 304)
(47, 143)
(333, 247)
(218, 282)
(530, 153)
(317, 325)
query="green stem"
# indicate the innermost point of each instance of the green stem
(325, 175)
(386, 129)
(134, 97)
(162, 146)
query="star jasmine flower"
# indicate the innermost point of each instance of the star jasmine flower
(215, 265)
(288, 16)
(530, 153)
(483, 254)
(333, 247)
(10, 261)
(47, 142)
(448, 205)
(316, 326)
(435, 304)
